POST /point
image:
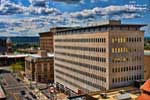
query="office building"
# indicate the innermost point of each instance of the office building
(100, 57)
(46, 41)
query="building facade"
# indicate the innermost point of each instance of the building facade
(100, 57)
(7, 60)
(147, 65)
(39, 67)
(46, 41)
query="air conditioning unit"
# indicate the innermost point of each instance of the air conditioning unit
(103, 95)
(122, 91)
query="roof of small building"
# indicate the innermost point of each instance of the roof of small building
(146, 86)
(143, 97)
(13, 55)
(39, 56)
(147, 52)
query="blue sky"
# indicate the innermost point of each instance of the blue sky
(29, 17)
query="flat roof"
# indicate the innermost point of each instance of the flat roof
(39, 56)
(13, 55)
(147, 52)
(112, 94)
(25, 55)
(102, 24)
(43, 33)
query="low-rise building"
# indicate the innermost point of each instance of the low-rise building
(39, 67)
(8, 59)
(145, 88)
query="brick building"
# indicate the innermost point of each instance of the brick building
(40, 67)
(46, 41)
(147, 65)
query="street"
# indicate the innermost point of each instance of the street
(15, 90)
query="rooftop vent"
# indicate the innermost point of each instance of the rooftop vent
(103, 95)
(122, 91)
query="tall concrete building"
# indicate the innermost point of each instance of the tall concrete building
(99, 57)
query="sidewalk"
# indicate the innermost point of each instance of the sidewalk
(36, 91)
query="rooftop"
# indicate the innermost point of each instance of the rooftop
(39, 56)
(147, 52)
(104, 23)
(146, 91)
(13, 55)
(124, 93)
(146, 86)
(45, 33)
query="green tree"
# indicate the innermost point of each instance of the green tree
(16, 68)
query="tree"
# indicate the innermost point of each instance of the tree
(17, 67)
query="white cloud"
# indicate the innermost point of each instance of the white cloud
(95, 1)
(69, 1)
(10, 8)
(122, 11)
(27, 25)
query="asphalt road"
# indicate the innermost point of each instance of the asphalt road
(13, 87)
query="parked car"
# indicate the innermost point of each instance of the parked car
(27, 98)
(23, 92)
(32, 95)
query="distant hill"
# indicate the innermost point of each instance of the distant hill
(23, 40)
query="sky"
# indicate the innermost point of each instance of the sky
(30, 17)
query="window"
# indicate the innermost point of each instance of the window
(118, 50)
(113, 40)
(119, 40)
(113, 80)
(113, 50)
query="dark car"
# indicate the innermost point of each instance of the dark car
(32, 95)
(27, 98)
(23, 92)
(18, 79)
